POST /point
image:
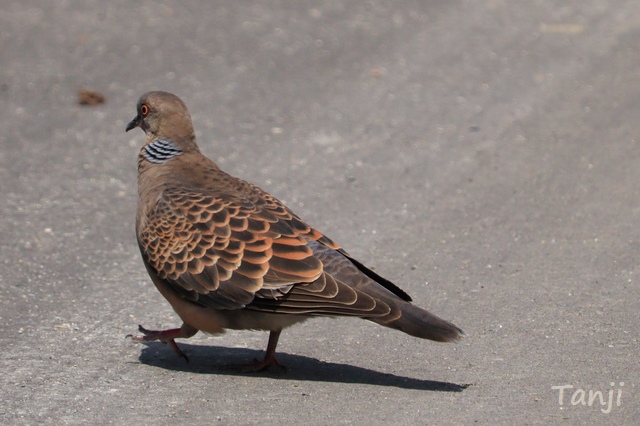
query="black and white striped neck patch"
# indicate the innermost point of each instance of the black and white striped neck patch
(160, 150)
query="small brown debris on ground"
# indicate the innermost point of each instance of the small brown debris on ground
(90, 97)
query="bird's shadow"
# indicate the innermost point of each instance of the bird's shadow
(228, 361)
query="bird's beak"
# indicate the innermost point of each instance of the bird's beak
(134, 123)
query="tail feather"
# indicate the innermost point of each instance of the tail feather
(418, 322)
(402, 315)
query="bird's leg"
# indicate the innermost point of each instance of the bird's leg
(166, 336)
(269, 357)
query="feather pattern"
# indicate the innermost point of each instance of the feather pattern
(160, 151)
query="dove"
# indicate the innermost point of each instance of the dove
(226, 254)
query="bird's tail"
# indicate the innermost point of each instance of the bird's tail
(419, 323)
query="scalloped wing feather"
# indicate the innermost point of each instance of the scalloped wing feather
(208, 247)
(229, 252)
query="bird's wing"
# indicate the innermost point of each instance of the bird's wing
(342, 289)
(327, 250)
(226, 252)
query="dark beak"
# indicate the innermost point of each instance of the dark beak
(134, 123)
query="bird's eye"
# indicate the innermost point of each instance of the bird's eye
(144, 110)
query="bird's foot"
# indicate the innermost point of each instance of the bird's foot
(164, 336)
(266, 364)
(269, 360)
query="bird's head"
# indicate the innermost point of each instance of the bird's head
(163, 114)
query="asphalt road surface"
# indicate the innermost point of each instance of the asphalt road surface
(482, 155)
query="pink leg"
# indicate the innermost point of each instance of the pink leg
(166, 336)
(269, 357)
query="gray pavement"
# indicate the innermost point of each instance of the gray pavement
(483, 155)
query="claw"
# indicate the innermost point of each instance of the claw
(266, 363)
(269, 357)
(165, 336)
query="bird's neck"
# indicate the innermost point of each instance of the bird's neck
(159, 151)
(162, 150)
